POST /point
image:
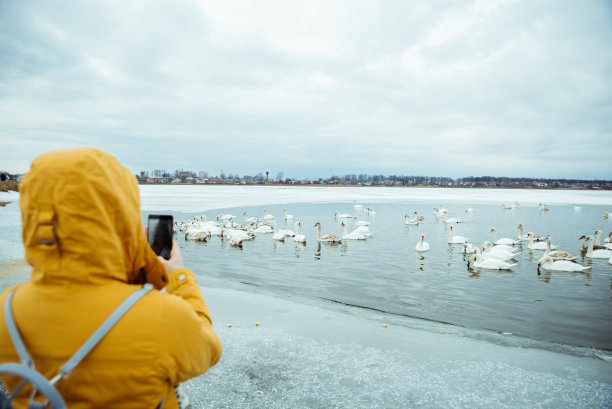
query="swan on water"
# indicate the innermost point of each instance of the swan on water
(489, 263)
(547, 263)
(543, 207)
(598, 240)
(277, 235)
(455, 239)
(538, 245)
(287, 216)
(601, 253)
(360, 222)
(328, 238)
(584, 246)
(267, 216)
(339, 215)
(408, 220)
(576, 208)
(503, 240)
(558, 254)
(469, 210)
(422, 245)
(264, 228)
(607, 239)
(451, 219)
(300, 238)
(525, 237)
(496, 254)
(497, 247)
(354, 235)
(468, 248)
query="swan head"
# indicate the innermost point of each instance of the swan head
(317, 224)
(492, 230)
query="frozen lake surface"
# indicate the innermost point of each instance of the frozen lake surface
(455, 337)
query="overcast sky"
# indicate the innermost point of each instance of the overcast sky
(312, 88)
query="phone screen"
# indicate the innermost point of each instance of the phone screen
(160, 234)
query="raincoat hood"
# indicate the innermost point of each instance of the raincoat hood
(81, 221)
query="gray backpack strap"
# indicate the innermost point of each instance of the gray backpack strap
(39, 382)
(93, 340)
(25, 358)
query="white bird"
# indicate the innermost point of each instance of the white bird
(598, 240)
(300, 238)
(277, 235)
(455, 239)
(601, 253)
(409, 221)
(264, 228)
(328, 238)
(577, 208)
(543, 207)
(354, 235)
(356, 206)
(267, 216)
(468, 248)
(361, 222)
(489, 263)
(547, 263)
(287, 216)
(451, 219)
(495, 254)
(339, 215)
(422, 245)
(607, 239)
(557, 255)
(469, 210)
(505, 247)
(503, 240)
(539, 245)
(525, 237)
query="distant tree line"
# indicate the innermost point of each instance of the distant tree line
(202, 176)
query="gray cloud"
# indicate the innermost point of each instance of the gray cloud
(510, 88)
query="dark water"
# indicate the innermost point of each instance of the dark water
(385, 273)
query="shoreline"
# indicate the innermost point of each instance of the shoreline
(376, 186)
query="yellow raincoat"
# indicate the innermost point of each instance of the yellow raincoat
(82, 233)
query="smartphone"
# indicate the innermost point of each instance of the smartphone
(160, 234)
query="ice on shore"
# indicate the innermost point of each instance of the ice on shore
(202, 198)
(305, 356)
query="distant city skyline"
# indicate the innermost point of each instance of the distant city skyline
(505, 88)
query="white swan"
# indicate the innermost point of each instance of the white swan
(422, 245)
(489, 263)
(557, 255)
(328, 238)
(354, 235)
(356, 206)
(267, 216)
(455, 239)
(339, 215)
(264, 228)
(598, 240)
(525, 237)
(547, 263)
(277, 235)
(543, 207)
(300, 238)
(497, 247)
(538, 245)
(496, 254)
(503, 240)
(601, 253)
(361, 222)
(287, 216)
(607, 239)
(451, 219)
(469, 210)
(409, 221)
(468, 248)
(577, 208)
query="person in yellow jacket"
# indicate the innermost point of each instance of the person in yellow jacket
(82, 233)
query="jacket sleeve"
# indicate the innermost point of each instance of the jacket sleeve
(189, 339)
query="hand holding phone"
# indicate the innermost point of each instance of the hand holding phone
(160, 234)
